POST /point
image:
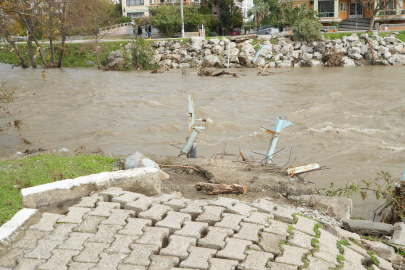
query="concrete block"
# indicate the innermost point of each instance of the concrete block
(130, 267)
(241, 209)
(224, 202)
(75, 241)
(361, 251)
(153, 236)
(91, 252)
(326, 254)
(230, 221)
(59, 259)
(270, 242)
(211, 215)
(162, 198)
(163, 262)
(318, 264)
(234, 249)
(103, 209)
(292, 255)
(301, 240)
(385, 251)
(341, 233)
(277, 227)
(30, 239)
(140, 254)
(173, 221)
(140, 205)
(222, 264)
(282, 266)
(27, 264)
(89, 224)
(9, 259)
(109, 261)
(121, 244)
(43, 249)
(134, 226)
(368, 227)
(62, 230)
(265, 206)
(110, 193)
(192, 229)
(156, 213)
(249, 231)
(259, 218)
(198, 258)
(127, 197)
(383, 264)
(338, 206)
(284, 214)
(105, 234)
(46, 223)
(178, 246)
(215, 238)
(255, 260)
(305, 225)
(193, 210)
(351, 266)
(177, 204)
(49, 196)
(88, 202)
(22, 218)
(399, 234)
(75, 215)
(81, 266)
(352, 256)
(118, 217)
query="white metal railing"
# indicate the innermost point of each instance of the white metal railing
(389, 12)
(112, 28)
(326, 14)
(390, 26)
(332, 28)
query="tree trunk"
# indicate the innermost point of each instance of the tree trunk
(30, 27)
(63, 32)
(372, 19)
(31, 52)
(96, 50)
(23, 63)
(215, 9)
(214, 189)
(51, 39)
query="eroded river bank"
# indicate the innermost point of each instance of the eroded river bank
(349, 119)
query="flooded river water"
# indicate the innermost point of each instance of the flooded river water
(349, 119)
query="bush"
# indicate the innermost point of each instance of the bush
(167, 19)
(213, 34)
(142, 56)
(308, 30)
(124, 19)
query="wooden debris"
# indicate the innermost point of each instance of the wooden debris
(239, 39)
(212, 72)
(160, 70)
(214, 189)
(242, 155)
(262, 73)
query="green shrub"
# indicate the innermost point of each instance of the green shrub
(213, 34)
(142, 55)
(308, 30)
(167, 19)
(124, 19)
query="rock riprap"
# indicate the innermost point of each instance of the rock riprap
(122, 230)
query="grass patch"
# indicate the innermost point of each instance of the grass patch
(337, 35)
(41, 169)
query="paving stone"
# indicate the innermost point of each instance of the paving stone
(156, 213)
(230, 221)
(178, 246)
(270, 242)
(9, 259)
(46, 223)
(75, 215)
(384, 264)
(352, 256)
(28, 264)
(211, 215)
(91, 252)
(88, 202)
(264, 206)
(259, 218)
(30, 239)
(118, 217)
(61, 232)
(173, 221)
(109, 261)
(140, 254)
(361, 251)
(352, 266)
(181, 268)
(165, 198)
(163, 262)
(43, 249)
(81, 266)
(134, 226)
(224, 202)
(130, 267)
(89, 224)
(327, 247)
(153, 236)
(59, 259)
(281, 266)
(255, 260)
(110, 193)
(241, 209)
(103, 209)
(341, 233)
(193, 229)
(215, 238)
(121, 244)
(384, 251)
(198, 258)
(222, 264)
(301, 240)
(284, 214)
(234, 249)
(140, 205)
(374, 267)
(193, 210)
(278, 228)
(75, 241)
(127, 197)
(305, 225)
(254, 247)
(317, 264)
(249, 231)
(105, 234)
(292, 255)
(177, 204)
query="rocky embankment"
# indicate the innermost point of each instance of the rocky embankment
(281, 51)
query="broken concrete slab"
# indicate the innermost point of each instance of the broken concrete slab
(365, 227)
(337, 206)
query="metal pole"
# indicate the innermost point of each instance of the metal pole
(193, 151)
(182, 19)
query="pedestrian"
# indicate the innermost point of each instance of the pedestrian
(150, 31)
(139, 31)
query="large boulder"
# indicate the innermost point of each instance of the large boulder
(347, 62)
(353, 38)
(366, 227)
(306, 56)
(211, 61)
(288, 48)
(239, 39)
(397, 59)
(306, 49)
(218, 49)
(174, 57)
(320, 47)
(264, 37)
(138, 160)
(116, 64)
(111, 57)
(213, 41)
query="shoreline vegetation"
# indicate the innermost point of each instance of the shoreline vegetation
(83, 55)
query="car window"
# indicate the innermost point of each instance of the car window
(234, 29)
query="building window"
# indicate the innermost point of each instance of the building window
(326, 9)
(134, 3)
(370, 5)
(342, 7)
(136, 14)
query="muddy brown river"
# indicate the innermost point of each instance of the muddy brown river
(349, 119)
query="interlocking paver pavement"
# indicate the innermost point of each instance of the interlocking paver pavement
(121, 230)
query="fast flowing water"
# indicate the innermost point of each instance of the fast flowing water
(349, 119)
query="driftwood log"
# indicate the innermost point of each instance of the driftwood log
(214, 189)
(212, 72)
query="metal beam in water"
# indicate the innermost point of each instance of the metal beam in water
(280, 124)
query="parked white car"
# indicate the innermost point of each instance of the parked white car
(267, 30)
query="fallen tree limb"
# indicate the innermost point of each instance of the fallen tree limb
(211, 72)
(214, 189)
(181, 166)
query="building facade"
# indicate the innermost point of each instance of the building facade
(139, 8)
(245, 6)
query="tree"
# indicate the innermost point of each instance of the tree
(231, 15)
(193, 18)
(380, 5)
(167, 19)
(261, 9)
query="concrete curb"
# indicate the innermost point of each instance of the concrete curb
(64, 193)
(22, 218)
